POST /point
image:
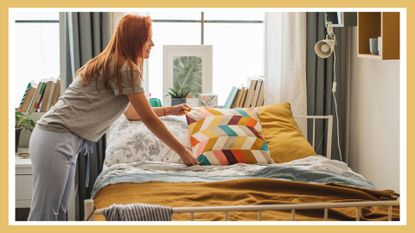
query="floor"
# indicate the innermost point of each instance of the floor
(22, 214)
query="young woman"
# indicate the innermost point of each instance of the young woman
(104, 88)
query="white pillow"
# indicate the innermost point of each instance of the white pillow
(131, 141)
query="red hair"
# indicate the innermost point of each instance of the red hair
(125, 47)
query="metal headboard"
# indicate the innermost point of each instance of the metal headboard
(314, 118)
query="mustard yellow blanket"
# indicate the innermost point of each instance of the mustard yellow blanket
(249, 191)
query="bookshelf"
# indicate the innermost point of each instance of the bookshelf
(378, 24)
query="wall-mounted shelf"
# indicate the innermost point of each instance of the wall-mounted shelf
(378, 24)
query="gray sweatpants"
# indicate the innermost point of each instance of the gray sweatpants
(54, 157)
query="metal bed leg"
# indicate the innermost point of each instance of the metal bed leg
(292, 214)
(326, 214)
(390, 213)
(89, 207)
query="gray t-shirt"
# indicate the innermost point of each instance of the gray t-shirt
(87, 111)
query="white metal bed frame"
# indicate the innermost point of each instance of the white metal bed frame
(329, 119)
(89, 206)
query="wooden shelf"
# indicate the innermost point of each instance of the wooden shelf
(370, 56)
(378, 24)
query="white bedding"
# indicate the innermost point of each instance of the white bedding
(315, 169)
(131, 141)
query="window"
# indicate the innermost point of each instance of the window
(36, 48)
(237, 38)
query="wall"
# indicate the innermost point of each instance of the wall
(373, 147)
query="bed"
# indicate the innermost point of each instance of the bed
(140, 169)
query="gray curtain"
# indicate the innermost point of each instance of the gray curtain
(319, 75)
(83, 36)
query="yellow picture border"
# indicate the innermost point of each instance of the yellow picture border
(4, 124)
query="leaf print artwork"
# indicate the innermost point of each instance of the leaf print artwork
(187, 73)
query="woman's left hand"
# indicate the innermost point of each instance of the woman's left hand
(178, 109)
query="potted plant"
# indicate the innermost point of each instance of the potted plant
(178, 94)
(23, 121)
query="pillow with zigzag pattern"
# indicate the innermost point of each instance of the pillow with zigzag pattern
(227, 136)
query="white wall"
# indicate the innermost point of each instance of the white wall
(373, 148)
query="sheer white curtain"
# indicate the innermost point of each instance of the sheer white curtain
(285, 61)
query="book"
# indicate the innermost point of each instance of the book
(256, 93)
(261, 95)
(243, 97)
(51, 95)
(41, 87)
(27, 99)
(230, 98)
(33, 101)
(46, 96)
(56, 92)
(250, 94)
(237, 98)
(29, 85)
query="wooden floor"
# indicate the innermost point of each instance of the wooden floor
(22, 214)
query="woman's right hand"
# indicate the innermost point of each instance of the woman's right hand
(187, 157)
(141, 105)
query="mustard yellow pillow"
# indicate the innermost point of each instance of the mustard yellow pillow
(282, 134)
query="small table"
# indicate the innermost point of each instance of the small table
(23, 180)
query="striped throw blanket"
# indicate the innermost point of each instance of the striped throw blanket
(137, 212)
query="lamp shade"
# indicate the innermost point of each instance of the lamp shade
(324, 48)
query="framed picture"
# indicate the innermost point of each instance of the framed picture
(187, 68)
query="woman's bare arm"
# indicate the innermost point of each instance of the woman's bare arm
(157, 127)
(132, 115)
(177, 110)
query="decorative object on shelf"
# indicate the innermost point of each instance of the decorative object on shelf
(155, 102)
(385, 25)
(373, 46)
(178, 94)
(187, 66)
(208, 100)
(380, 45)
(176, 101)
(231, 98)
(193, 102)
(23, 155)
(23, 122)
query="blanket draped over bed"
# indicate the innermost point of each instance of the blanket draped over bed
(137, 212)
(311, 180)
(247, 192)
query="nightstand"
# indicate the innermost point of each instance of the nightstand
(24, 185)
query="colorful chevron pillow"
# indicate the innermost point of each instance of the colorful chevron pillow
(227, 136)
